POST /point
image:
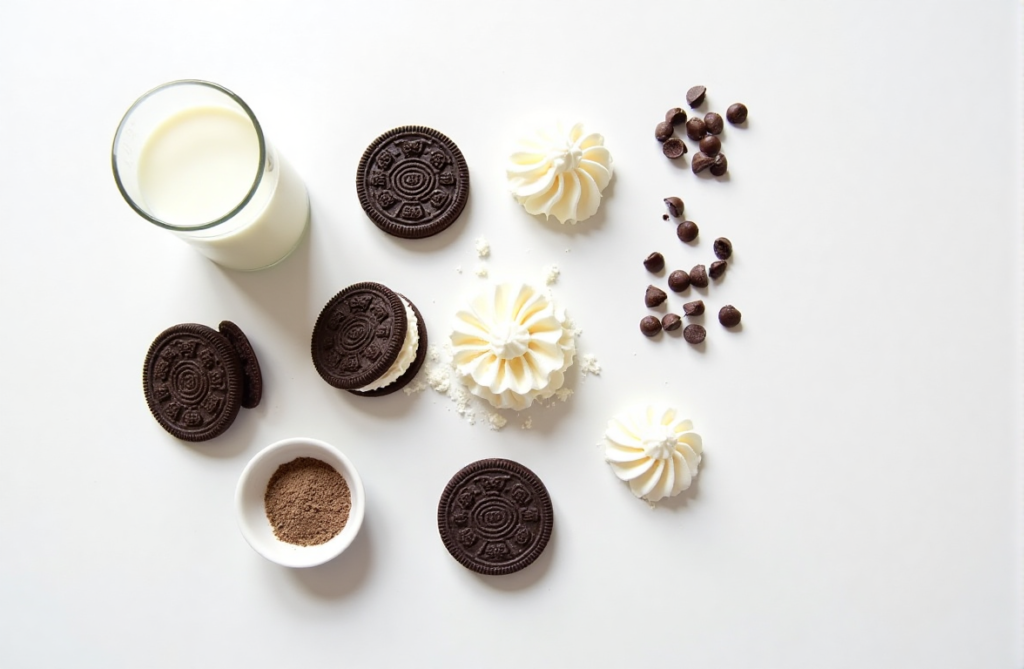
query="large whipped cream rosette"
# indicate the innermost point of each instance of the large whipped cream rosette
(511, 345)
(560, 173)
(654, 449)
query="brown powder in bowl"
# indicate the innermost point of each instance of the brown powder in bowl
(307, 502)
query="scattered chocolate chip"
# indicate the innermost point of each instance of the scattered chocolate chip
(699, 276)
(654, 262)
(713, 122)
(720, 165)
(678, 281)
(654, 296)
(687, 231)
(673, 148)
(723, 248)
(736, 113)
(664, 217)
(695, 129)
(695, 96)
(675, 116)
(717, 269)
(701, 161)
(729, 316)
(663, 131)
(675, 206)
(695, 308)
(650, 326)
(694, 334)
(671, 322)
(710, 145)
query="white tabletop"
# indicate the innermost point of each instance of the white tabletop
(859, 502)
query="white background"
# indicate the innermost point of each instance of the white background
(860, 499)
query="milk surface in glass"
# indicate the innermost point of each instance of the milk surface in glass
(198, 165)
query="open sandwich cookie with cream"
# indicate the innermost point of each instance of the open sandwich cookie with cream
(369, 340)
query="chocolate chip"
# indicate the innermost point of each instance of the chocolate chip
(673, 148)
(695, 129)
(710, 145)
(654, 262)
(675, 206)
(695, 308)
(720, 165)
(654, 296)
(723, 248)
(736, 113)
(675, 116)
(729, 316)
(664, 217)
(695, 96)
(699, 276)
(694, 334)
(687, 231)
(678, 281)
(717, 269)
(713, 122)
(663, 131)
(701, 161)
(671, 322)
(650, 326)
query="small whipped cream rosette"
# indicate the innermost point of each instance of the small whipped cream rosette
(654, 450)
(511, 345)
(560, 173)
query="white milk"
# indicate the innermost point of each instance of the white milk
(199, 164)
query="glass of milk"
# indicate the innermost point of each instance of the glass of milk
(190, 157)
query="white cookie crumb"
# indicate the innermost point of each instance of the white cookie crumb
(414, 387)
(527, 424)
(552, 274)
(589, 364)
(496, 420)
(461, 399)
(481, 270)
(458, 268)
(570, 325)
(483, 249)
(564, 393)
(439, 380)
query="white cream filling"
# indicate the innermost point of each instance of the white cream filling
(405, 356)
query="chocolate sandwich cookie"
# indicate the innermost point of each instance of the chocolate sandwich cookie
(252, 378)
(495, 516)
(360, 337)
(194, 382)
(412, 182)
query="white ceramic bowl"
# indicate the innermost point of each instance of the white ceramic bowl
(252, 515)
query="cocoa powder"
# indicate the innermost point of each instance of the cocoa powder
(307, 502)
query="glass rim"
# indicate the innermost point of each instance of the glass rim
(245, 200)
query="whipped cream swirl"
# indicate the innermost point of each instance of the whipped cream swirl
(511, 345)
(559, 173)
(654, 450)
